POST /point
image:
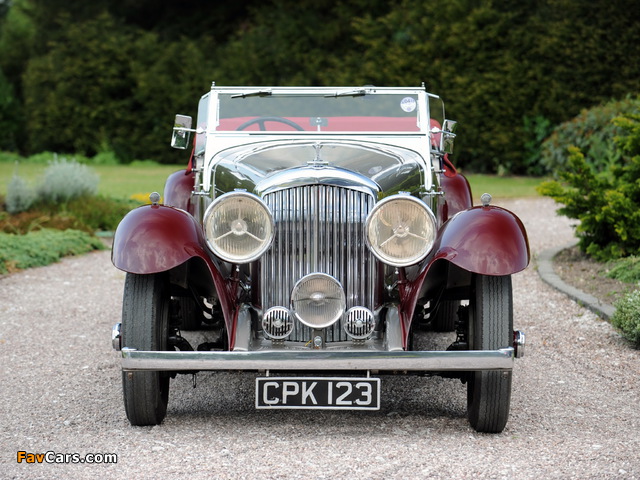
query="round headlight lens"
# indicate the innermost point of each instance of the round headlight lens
(318, 300)
(238, 227)
(401, 230)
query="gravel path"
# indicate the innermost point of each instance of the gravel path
(574, 410)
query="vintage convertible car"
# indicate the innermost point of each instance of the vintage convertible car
(319, 237)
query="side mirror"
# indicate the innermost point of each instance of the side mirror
(181, 132)
(448, 134)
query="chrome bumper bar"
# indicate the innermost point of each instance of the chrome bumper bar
(380, 361)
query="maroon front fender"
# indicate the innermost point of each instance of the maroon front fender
(178, 188)
(486, 240)
(156, 238)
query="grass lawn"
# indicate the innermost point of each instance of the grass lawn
(119, 181)
(122, 181)
(503, 187)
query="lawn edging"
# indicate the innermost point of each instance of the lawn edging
(550, 277)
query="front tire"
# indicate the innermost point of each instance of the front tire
(490, 328)
(145, 318)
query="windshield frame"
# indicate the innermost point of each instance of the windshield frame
(422, 116)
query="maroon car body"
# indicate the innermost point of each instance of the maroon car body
(319, 233)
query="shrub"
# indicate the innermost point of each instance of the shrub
(105, 157)
(43, 247)
(607, 203)
(20, 196)
(98, 213)
(6, 157)
(88, 214)
(626, 270)
(65, 180)
(627, 317)
(536, 130)
(593, 132)
(46, 158)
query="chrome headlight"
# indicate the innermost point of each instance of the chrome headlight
(401, 230)
(238, 227)
(318, 300)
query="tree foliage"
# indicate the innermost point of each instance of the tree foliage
(500, 64)
(110, 75)
(82, 104)
(593, 131)
(607, 202)
(9, 115)
(118, 94)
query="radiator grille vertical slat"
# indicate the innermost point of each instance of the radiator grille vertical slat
(319, 228)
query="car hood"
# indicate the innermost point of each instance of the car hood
(267, 166)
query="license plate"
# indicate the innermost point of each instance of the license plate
(318, 393)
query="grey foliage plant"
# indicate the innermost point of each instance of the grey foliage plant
(65, 180)
(20, 196)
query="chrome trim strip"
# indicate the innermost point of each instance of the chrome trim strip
(329, 176)
(243, 331)
(393, 339)
(426, 361)
(116, 336)
(519, 341)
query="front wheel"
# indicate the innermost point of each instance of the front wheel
(145, 317)
(490, 328)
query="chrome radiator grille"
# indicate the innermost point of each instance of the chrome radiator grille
(319, 228)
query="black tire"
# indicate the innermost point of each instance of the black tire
(490, 328)
(446, 316)
(145, 317)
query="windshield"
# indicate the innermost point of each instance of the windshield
(341, 111)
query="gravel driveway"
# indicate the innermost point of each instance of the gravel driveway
(574, 413)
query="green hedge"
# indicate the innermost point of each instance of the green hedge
(43, 247)
(106, 76)
(607, 203)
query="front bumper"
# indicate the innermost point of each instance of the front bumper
(317, 360)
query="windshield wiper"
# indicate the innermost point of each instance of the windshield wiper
(257, 93)
(349, 93)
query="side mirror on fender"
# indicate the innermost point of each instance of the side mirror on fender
(181, 132)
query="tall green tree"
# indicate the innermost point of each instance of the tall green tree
(503, 68)
(10, 118)
(108, 86)
(79, 94)
(17, 40)
(288, 42)
(104, 74)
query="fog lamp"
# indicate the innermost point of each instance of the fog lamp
(277, 323)
(318, 300)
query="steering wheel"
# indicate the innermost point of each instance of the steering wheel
(261, 122)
